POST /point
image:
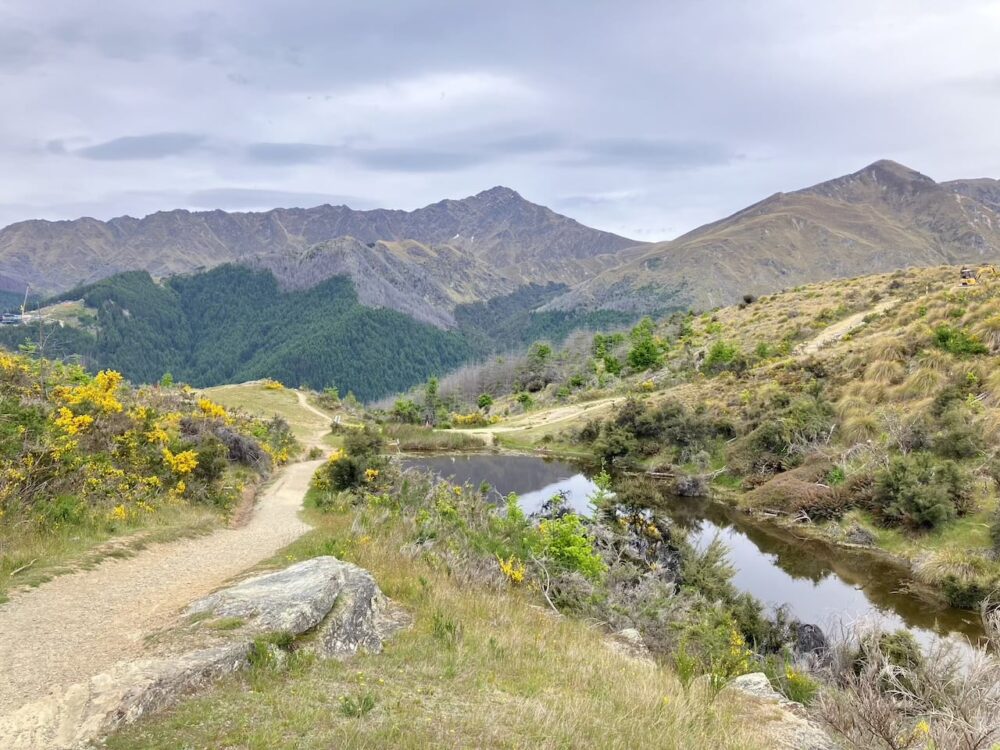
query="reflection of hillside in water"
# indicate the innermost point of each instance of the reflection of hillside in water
(819, 581)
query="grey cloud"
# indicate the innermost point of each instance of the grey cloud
(290, 153)
(469, 150)
(18, 48)
(415, 159)
(134, 147)
(654, 153)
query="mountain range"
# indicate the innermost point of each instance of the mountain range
(423, 263)
(329, 294)
(427, 262)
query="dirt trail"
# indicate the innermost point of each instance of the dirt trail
(321, 431)
(545, 418)
(841, 328)
(79, 625)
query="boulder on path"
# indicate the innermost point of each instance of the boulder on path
(338, 601)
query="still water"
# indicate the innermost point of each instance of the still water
(818, 583)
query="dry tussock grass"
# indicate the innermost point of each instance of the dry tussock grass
(884, 373)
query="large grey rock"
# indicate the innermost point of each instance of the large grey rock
(789, 727)
(292, 600)
(361, 619)
(810, 639)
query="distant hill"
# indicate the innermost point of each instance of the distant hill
(421, 262)
(883, 217)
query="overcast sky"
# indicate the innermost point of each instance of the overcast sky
(643, 118)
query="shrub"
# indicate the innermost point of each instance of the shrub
(723, 357)
(565, 542)
(645, 352)
(960, 437)
(406, 411)
(920, 492)
(363, 443)
(958, 342)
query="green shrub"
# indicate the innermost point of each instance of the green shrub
(565, 543)
(645, 352)
(364, 443)
(919, 491)
(406, 411)
(793, 683)
(723, 357)
(960, 436)
(958, 342)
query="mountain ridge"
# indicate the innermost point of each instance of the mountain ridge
(880, 218)
(496, 224)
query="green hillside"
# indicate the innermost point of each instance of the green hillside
(234, 324)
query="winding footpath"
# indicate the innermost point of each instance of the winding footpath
(81, 624)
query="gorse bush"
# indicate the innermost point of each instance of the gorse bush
(920, 491)
(93, 453)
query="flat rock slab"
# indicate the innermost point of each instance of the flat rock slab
(338, 601)
(787, 723)
(293, 600)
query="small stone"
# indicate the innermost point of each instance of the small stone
(861, 536)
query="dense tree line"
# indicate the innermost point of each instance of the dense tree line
(233, 323)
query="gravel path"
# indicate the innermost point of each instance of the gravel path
(841, 328)
(80, 624)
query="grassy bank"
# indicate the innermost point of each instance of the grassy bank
(482, 666)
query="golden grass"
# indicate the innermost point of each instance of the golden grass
(860, 427)
(988, 331)
(255, 399)
(922, 382)
(516, 676)
(886, 348)
(884, 373)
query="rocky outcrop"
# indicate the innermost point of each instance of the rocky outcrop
(788, 724)
(338, 601)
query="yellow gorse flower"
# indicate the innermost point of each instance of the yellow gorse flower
(211, 409)
(101, 392)
(181, 463)
(512, 568)
(70, 423)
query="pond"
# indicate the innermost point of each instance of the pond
(819, 583)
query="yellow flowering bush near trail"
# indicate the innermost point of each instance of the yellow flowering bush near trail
(92, 451)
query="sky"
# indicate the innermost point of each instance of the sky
(642, 118)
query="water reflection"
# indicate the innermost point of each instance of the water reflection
(533, 479)
(818, 583)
